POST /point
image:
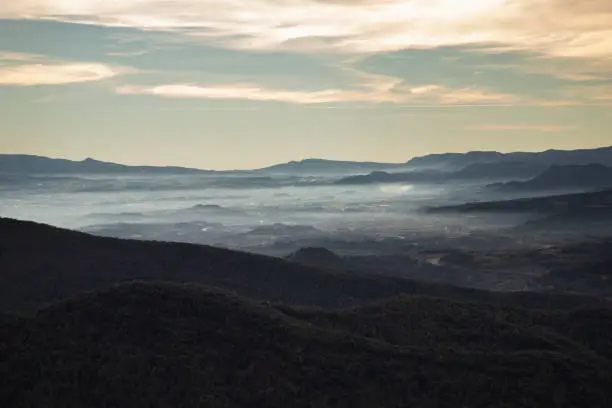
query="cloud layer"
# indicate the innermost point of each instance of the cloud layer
(557, 28)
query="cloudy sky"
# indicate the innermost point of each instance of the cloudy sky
(246, 83)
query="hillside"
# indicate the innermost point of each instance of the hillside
(40, 264)
(424, 321)
(590, 176)
(567, 217)
(142, 345)
(564, 203)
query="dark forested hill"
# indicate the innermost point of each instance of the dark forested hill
(161, 345)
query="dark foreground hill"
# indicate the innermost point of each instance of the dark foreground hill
(143, 345)
(40, 264)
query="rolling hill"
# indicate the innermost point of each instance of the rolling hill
(40, 265)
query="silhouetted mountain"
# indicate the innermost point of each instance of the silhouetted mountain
(587, 177)
(40, 264)
(456, 160)
(565, 203)
(379, 177)
(143, 345)
(28, 164)
(573, 215)
(501, 170)
(601, 155)
(476, 171)
(314, 166)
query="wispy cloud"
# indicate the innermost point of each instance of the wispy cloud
(55, 74)
(127, 53)
(560, 28)
(579, 72)
(498, 127)
(19, 69)
(379, 91)
(254, 93)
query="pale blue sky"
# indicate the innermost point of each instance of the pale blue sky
(197, 83)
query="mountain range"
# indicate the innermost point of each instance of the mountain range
(29, 164)
(475, 171)
(515, 162)
(602, 155)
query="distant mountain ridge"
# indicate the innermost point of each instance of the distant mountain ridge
(602, 155)
(330, 166)
(477, 171)
(380, 177)
(30, 164)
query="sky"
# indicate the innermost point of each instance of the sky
(235, 84)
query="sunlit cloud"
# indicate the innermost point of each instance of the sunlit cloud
(559, 28)
(18, 69)
(256, 93)
(497, 127)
